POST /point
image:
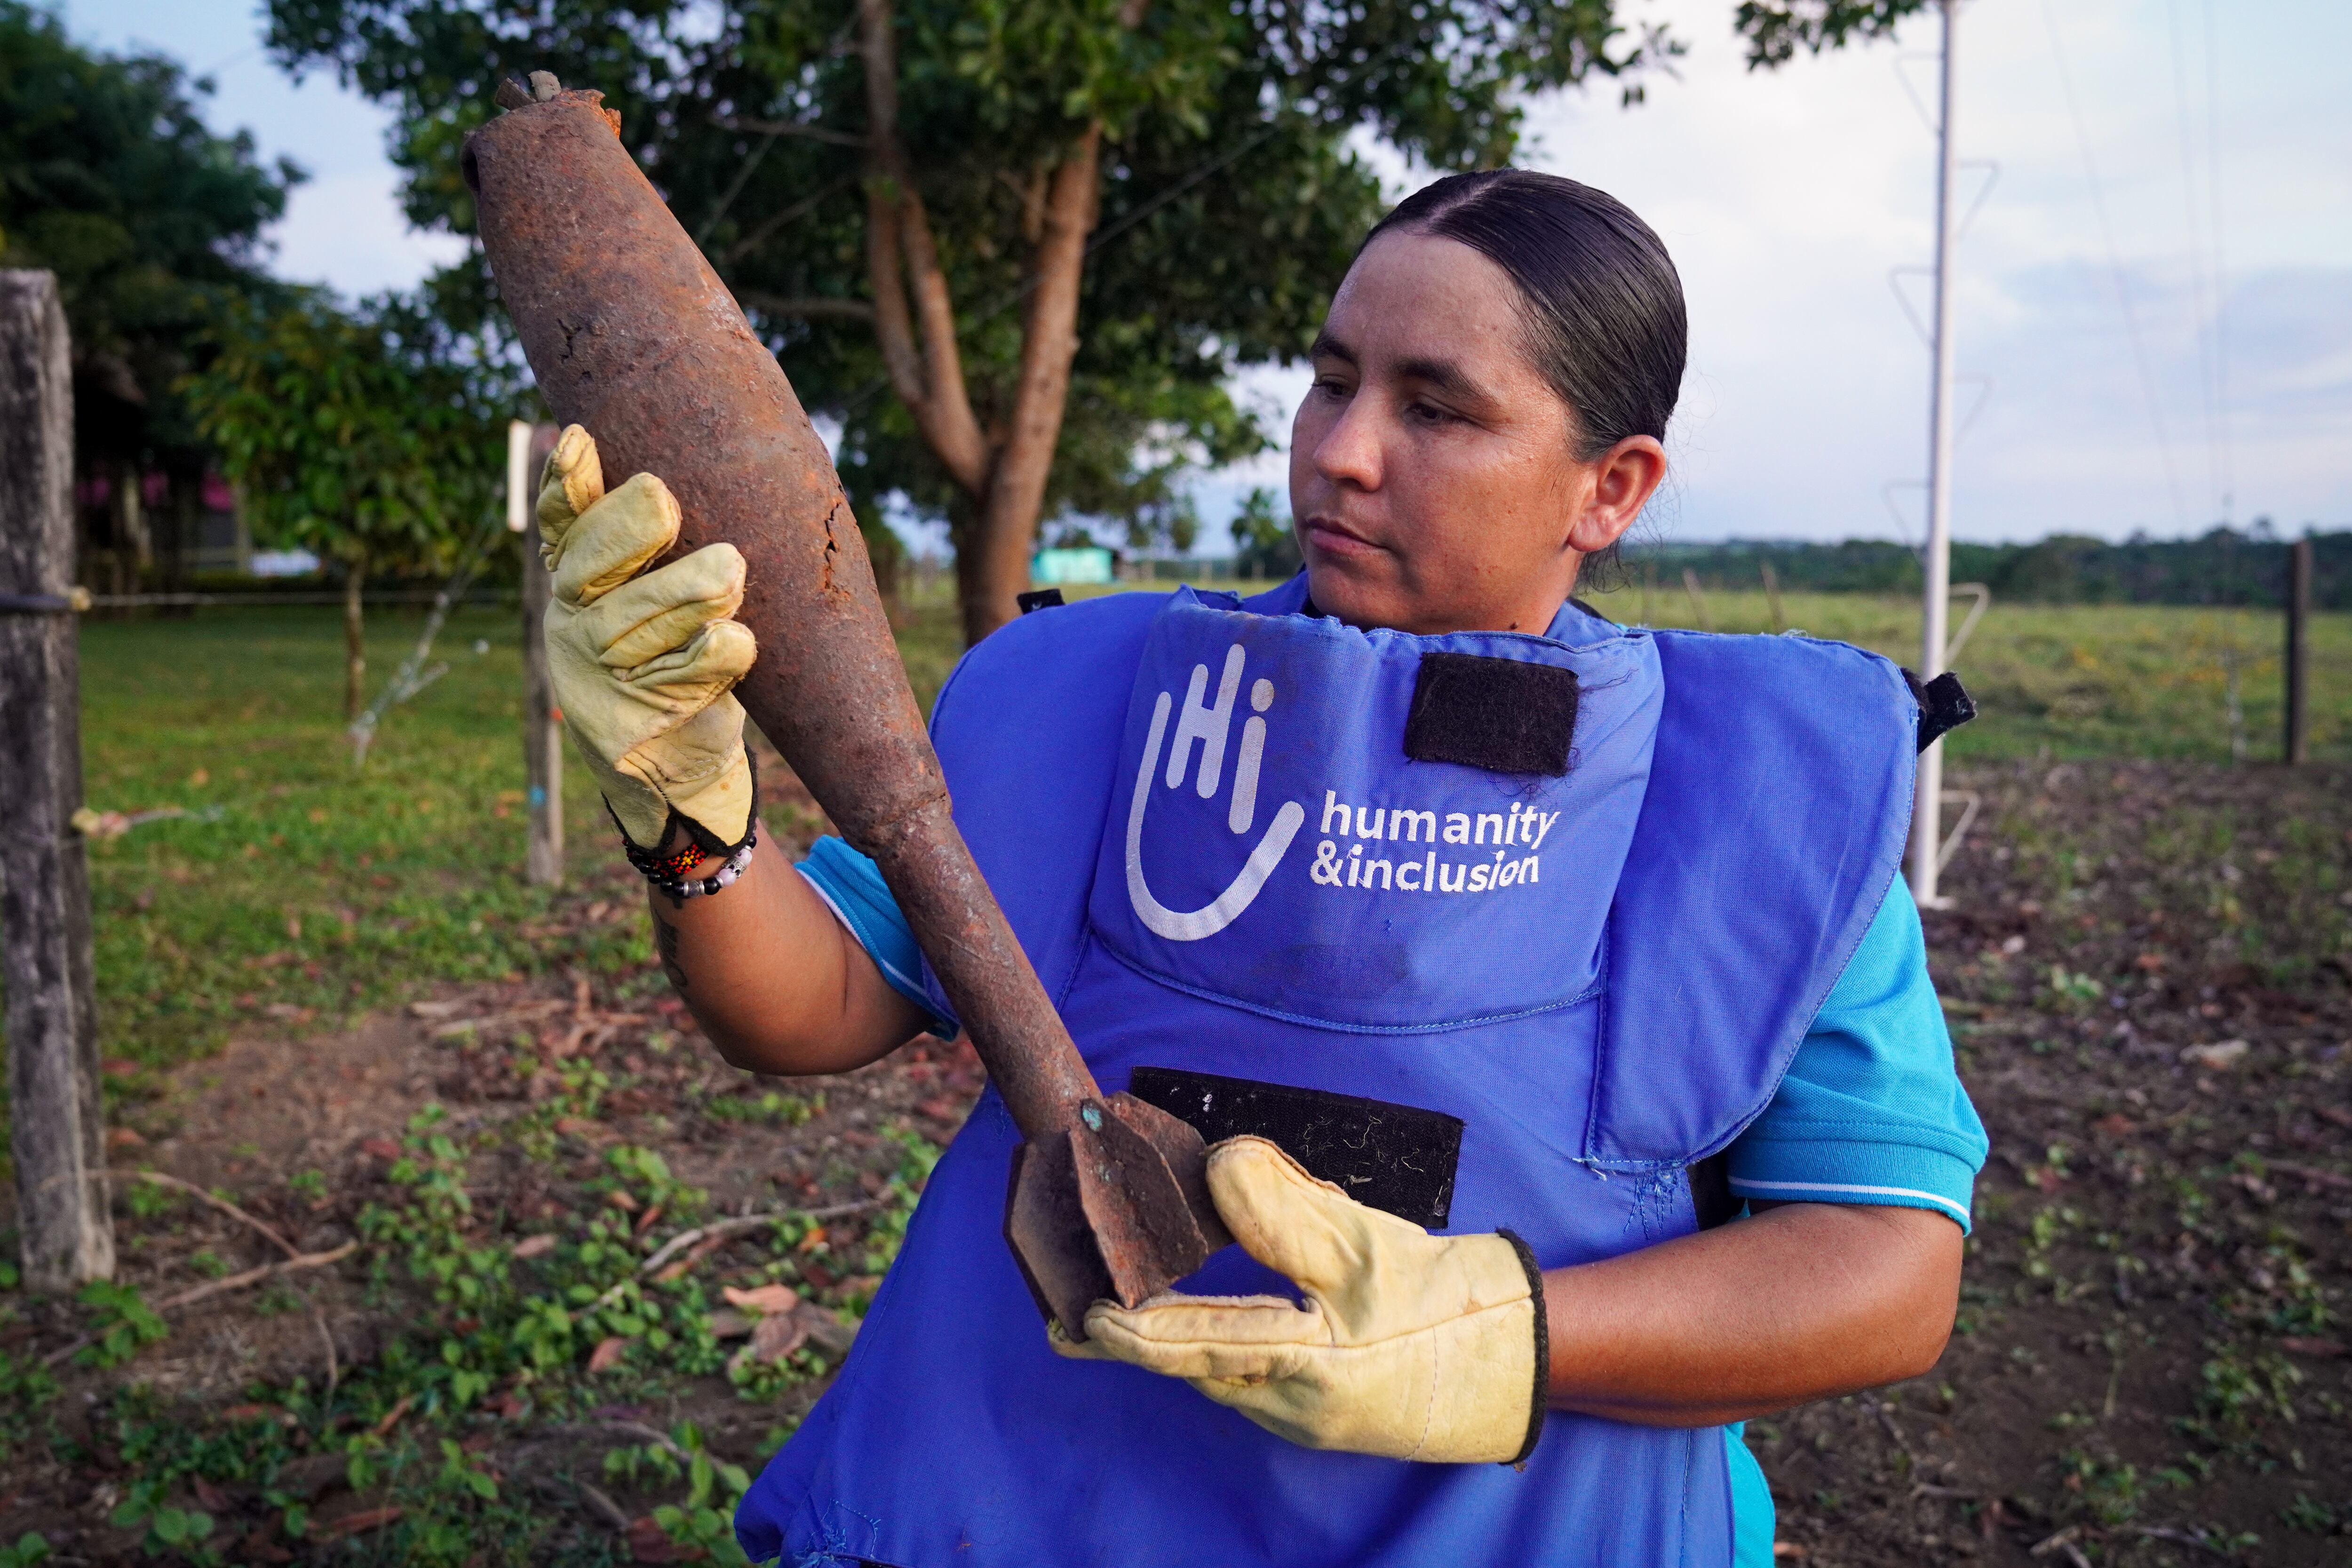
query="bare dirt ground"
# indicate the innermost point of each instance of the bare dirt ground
(2146, 972)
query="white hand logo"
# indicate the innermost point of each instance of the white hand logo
(1209, 726)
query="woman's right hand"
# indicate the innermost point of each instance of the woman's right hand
(643, 667)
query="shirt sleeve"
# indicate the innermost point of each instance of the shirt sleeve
(1872, 1110)
(851, 886)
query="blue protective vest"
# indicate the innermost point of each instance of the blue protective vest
(1200, 820)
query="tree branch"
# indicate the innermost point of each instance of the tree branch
(899, 235)
(789, 128)
(806, 309)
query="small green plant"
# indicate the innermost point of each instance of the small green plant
(2313, 1517)
(150, 1200)
(779, 1110)
(31, 1547)
(2237, 1395)
(122, 1324)
(2074, 992)
(169, 1529)
(310, 1187)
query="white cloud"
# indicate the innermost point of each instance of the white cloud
(1786, 198)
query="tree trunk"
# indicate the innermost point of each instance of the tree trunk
(355, 645)
(1049, 341)
(914, 323)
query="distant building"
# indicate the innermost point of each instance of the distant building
(1091, 564)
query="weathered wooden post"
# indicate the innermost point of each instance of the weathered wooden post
(2299, 566)
(66, 1238)
(543, 724)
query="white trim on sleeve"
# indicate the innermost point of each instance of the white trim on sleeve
(1739, 1184)
(898, 983)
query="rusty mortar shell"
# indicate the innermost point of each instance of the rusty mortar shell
(630, 334)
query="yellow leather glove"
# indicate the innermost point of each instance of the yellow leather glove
(643, 667)
(1410, 1345)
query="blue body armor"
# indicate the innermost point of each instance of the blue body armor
(1202, 819)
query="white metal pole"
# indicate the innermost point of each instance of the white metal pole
(1927, 816)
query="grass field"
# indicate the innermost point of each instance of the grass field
(302, 888)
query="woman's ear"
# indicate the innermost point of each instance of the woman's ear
(1623, 479)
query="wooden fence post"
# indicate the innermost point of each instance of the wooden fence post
(542, 726)
(2299, 565)
(66, 1234)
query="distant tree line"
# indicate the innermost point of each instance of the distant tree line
(2224, 566)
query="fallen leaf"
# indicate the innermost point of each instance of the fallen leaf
(727, 1325)
(210, 1496)
(764, 1299)
(533, 1245)
(392, 1417)
(2220, 1056)
(2338, 1114)
(622, 1201)
(124, 1138)
(940, 1109)
(608, 1353)
(774, 1339)
(827, 1331)
(2117, 1125)
(648, 1543)
(382, 1148)
(258, 1547)
(576, 1127)
(812, 1240)
(2321, 1348)
(367, 1518)
(116, 1066)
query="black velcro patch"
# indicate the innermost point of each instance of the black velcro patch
(1395, 1158)
(1944, 706)
(1038, 599)
(1505, 715)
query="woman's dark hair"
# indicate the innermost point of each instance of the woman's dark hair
(1602, 301)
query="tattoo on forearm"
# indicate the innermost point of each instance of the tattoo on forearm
(665, 943)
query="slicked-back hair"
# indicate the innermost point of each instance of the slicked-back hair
(1600, 298)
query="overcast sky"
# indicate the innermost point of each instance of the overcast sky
(1786, 198)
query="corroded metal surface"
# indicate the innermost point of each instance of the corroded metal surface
(632, 334)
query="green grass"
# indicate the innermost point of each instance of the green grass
(316, 887)
(324, 890)
(2075, 680)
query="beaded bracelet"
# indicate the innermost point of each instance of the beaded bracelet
(681, 887)
(659, 868)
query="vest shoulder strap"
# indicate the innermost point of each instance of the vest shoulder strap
(1777, 811)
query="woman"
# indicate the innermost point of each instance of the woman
(1618, 902)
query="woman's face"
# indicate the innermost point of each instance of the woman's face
(1433, 479)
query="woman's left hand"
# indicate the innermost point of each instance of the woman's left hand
(1409, 1345)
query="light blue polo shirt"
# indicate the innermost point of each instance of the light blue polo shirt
(1871, 1110)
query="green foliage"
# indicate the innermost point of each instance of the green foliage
(31, 1547)
(25, 1391)
(110, 177)
(180, 1532)
(374, 436)
(120, 1321)
(2062, 681)
(1232, 197)
(1264, 544)
(1777, 29)
(2222, 566)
